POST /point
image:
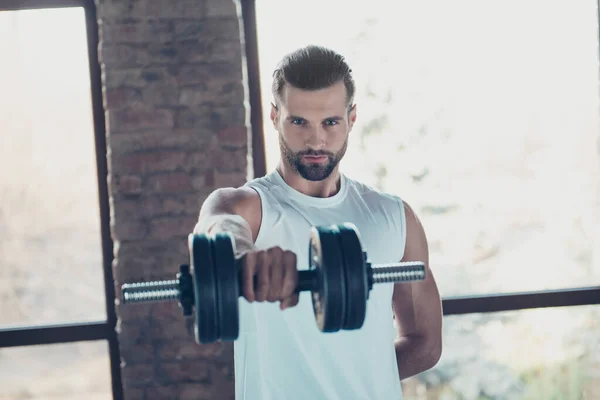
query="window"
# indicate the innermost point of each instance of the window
(490, 132)
(526, 355)
(72, 371)
(52, 246)
(57, 324)
(484, 117)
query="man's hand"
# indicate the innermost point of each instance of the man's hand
(417, 308)
(270, 275)
(267, 275)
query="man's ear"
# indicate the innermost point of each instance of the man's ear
(352, 116)
(274, 115)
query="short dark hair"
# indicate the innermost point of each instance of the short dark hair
(313, 67)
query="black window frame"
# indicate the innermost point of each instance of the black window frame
(96, 330)
(106, 330)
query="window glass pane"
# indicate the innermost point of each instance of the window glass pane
(526, 355)
(73, 371)
(481, 115)
(50, 243)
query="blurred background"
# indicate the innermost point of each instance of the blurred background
(483, 115)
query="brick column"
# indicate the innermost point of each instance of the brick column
(177, 128)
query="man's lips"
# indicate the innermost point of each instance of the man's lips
(315, 159)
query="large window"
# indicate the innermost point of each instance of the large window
(534, 354)
(56, 325)
(72, 371)
(52, 252)
(484, 117)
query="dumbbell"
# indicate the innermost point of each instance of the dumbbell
(339, 278)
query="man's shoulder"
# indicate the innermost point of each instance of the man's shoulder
(234, 198)
(378, 198)
(242, 201)
(369, 191)
(266, 180)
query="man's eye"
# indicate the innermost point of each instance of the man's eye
(297, 121)
(331, 122)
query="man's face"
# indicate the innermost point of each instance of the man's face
(313, 129)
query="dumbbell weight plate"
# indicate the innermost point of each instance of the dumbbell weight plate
(326, 259)
(228, 290)
(206, 327)
(356, 277)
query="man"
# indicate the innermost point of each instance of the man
(281, 353)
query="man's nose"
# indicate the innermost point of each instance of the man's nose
(317, 138)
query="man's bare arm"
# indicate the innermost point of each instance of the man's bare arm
(235, 210)
(267, 274)
(417, 308)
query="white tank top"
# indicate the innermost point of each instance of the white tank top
(282, 355)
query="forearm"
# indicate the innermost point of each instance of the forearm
(415, 354)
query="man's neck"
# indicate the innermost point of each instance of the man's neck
(325, 188)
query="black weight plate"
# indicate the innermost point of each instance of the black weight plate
(326, 259)
(355, 271)
(226, 272)
(206, 329)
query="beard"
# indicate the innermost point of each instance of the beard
(316, 171)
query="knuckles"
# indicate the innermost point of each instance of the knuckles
(268, 286)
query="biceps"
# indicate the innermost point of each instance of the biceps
(417, 307)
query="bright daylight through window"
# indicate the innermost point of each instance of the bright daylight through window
(484, 117)
(50, 241)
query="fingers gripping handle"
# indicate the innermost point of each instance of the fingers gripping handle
(307, 281)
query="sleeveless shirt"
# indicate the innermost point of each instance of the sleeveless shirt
(282, 355)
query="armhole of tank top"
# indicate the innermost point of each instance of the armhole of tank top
(263, 213)
(402, 224)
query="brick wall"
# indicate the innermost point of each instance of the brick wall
(177, 128)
